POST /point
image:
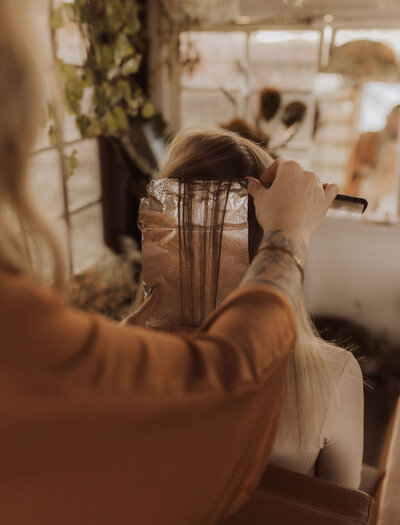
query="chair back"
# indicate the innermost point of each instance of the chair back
(388, 493)
(284, 497)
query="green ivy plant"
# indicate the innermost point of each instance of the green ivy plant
(103, 92)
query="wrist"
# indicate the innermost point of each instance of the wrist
(279, 261)
(293, 240)
(287, 253)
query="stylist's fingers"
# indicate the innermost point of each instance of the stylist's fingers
(313, 176)
(331, 190)
(254, 187)
(268, 176)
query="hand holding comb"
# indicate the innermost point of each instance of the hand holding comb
(341, 202)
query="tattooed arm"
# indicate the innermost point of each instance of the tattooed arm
(290, 212)
(277, 267)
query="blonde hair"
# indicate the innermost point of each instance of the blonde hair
(309, 386)
(215, 154)
(20, 103)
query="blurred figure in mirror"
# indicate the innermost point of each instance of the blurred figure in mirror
(374, 166)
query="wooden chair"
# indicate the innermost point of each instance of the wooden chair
(288, 498)
(387, 491)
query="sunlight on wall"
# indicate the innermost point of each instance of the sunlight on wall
(271, 37)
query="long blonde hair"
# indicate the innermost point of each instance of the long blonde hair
(215, 154)
(20, 103)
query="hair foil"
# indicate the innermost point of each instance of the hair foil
(194, 246)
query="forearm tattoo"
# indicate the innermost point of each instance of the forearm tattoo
(275, 267)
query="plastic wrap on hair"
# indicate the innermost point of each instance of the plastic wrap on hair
(194, 246)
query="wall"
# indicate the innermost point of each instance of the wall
(353, 271)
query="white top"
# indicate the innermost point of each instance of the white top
(336, 454)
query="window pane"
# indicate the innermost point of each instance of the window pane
(208, 107)
(70, 46)
(287, 59)
(87, 237)
(221, 59)
(334, 138)
(84, 184)
(45, 178)
(71, 132)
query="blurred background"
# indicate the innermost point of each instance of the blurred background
(315, 80)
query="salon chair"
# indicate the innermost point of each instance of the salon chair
(288, 498)
(284, 497)
(385, 482)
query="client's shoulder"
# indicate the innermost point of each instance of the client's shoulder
(341, 362)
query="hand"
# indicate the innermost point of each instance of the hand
(144, 312)
(296, 202)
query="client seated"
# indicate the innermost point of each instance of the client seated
(199, 234)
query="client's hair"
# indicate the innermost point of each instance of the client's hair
(216, 158)
(221, 157)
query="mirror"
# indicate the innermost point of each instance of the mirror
(332, 118)
(356, 141)
(374, 170)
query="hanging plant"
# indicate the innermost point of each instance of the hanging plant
(196, 12)
(103, 93)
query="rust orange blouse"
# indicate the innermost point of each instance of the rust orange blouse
(103, 424)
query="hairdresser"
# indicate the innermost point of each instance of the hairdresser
(102, 423)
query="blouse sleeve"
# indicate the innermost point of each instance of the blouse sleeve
(150, 428)
(340, 459)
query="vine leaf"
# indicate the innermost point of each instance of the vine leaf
(147, 110)
(53, 136)
(109, 125)
(103, 93)
(71, 163)
(132, 65)
(121, 118)
(123, 49)
(56, 21)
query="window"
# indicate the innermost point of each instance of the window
(73, 201)
(224, 72)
